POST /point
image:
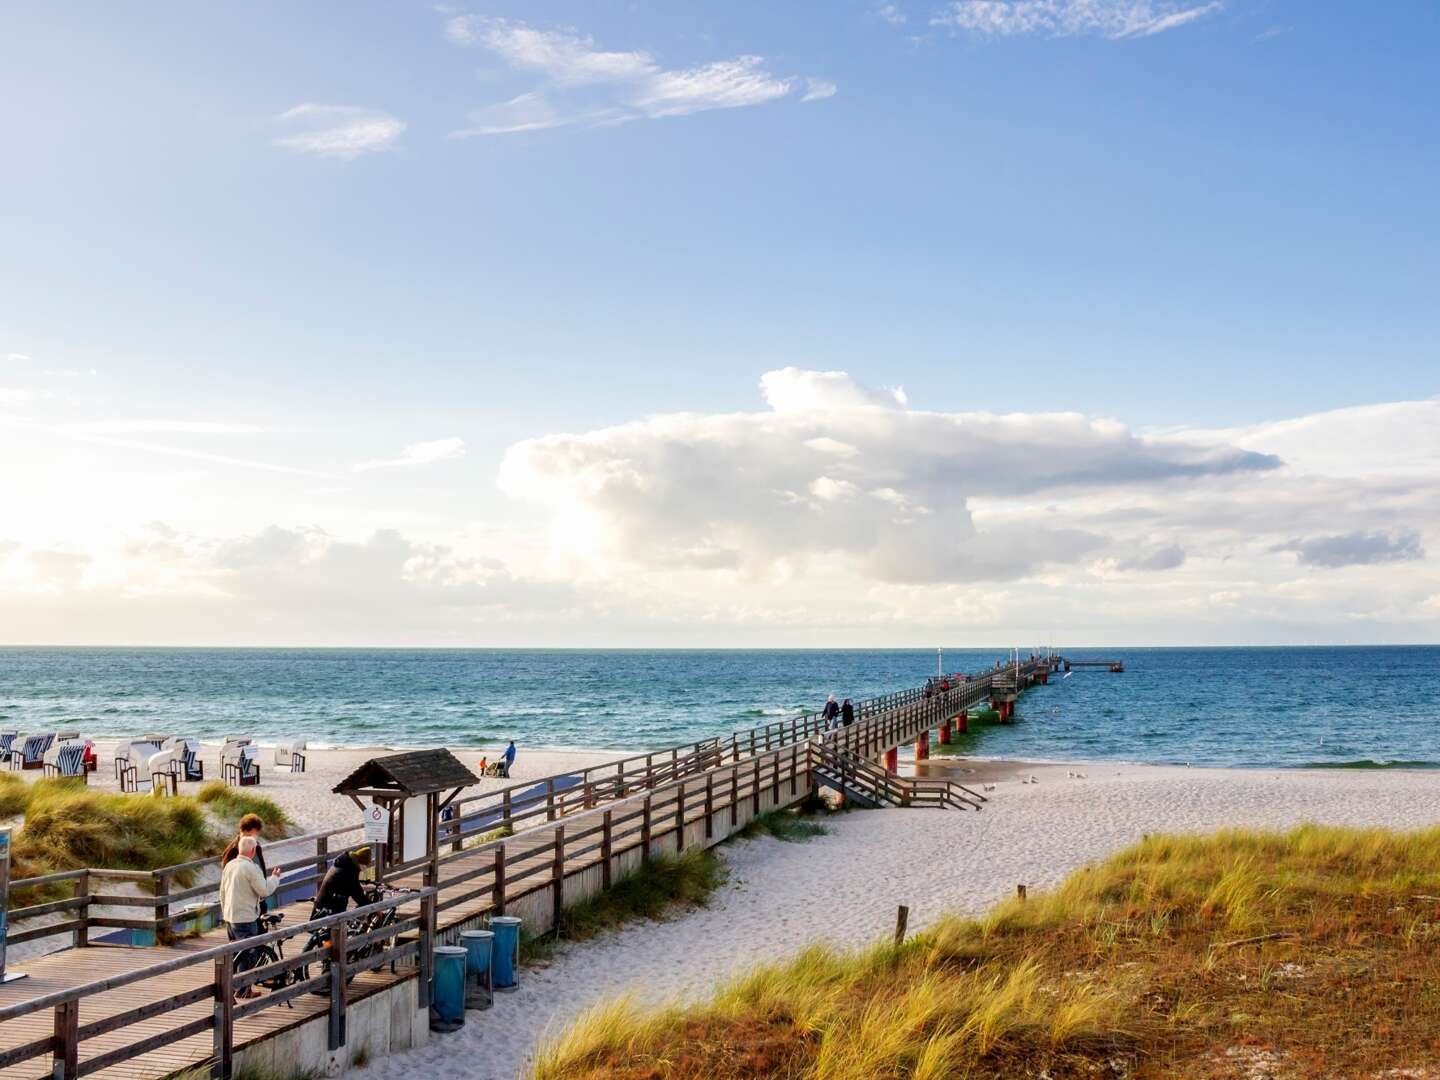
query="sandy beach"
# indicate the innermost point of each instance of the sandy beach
(844, 887)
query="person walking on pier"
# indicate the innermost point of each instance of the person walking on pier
(830, 713)
(242, 889)
(251, 825)
(847, 713)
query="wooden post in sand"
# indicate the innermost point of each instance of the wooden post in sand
(902, 917)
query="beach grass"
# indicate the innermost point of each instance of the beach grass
(230, 804)
(787, 825)
(14, 795)
(1311, 953)
(69, 826)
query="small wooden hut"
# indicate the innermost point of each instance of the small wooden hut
(414, 787)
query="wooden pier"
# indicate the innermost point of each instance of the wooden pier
(121, 1012)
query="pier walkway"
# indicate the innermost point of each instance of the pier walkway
(121, 1012)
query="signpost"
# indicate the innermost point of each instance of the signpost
(5, 903)
(377, 825)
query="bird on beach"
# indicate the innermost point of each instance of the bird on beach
(989, 787)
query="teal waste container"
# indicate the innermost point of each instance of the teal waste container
(479, 949)
(507, 951)
(447, 995)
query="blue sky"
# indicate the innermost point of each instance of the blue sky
(1178, 215)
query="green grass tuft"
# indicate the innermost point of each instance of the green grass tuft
(784, 825)
(14, 795)
(230, 804)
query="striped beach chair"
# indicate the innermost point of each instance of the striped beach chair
(67, 758)
(187, 765)
(31, 754)
(241, 766)
(7, 744)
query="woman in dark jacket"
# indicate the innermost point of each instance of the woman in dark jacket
(847, 713)
(342, 884)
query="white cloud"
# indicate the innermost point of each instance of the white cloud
(14, 395)
(891, 13)
(1066, 18)
(421, 453)
(338, 131)
(761, 491)
(585, 85)
(18, 358)
(819, 90)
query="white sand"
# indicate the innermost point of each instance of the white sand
(844, 887)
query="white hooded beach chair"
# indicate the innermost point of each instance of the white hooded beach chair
(130, 754)
(290, 755)
(240, 766)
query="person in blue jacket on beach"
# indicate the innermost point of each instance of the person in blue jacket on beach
(508, 759)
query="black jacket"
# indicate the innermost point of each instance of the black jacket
(340, 885)
(847, 714)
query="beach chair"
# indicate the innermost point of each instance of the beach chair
(67, 758)
(164, 775)
(131, 753)
(290, 755)
(241, 768)
(7, 744)
(31, 754)
(186, 763)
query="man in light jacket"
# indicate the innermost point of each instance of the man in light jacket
(243, 887)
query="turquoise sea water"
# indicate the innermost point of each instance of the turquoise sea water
(1358, 707)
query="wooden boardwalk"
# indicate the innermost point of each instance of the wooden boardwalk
(174, 1020)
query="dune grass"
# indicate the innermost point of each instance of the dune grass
(1308, 954)
(69, 826)
(787, 825)
(14, 795)
(229, 805)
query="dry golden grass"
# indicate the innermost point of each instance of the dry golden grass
(1306, 954)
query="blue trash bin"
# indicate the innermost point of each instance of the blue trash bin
(447, 995)
(507, 950)
(479, 949)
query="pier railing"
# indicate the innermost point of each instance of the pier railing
(195, 993)
(163, 903)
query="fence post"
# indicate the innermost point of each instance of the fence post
(223, 1047)
(645, 832)
(67, 1040)
(558, 876)
(322, 859)
(162, 907)
(505, 807)
(427, 949)
(680, 818)
(755, 783)
(734, 794)
(709, 805)
(605, 851)
(499, 894)
(338, 1003)
(82, 893)
(549, 798)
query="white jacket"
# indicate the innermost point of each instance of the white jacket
(242, 887)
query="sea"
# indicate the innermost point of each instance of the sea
(1340, 707)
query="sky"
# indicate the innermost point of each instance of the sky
(720, 324)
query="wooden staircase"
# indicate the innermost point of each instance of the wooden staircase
(868, 785)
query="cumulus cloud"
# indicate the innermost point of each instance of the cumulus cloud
(583, 84)
(751, 491)
(344, 132)
(421, 453)
(1356, 549)
(1113, 19)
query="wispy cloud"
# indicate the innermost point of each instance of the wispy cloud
(421, 453)
(14, 395)
(891, 13)
(1271, 34)
(819, 90)
(1115, 19)
(18, 358)
(338, 131)
(585, 85)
